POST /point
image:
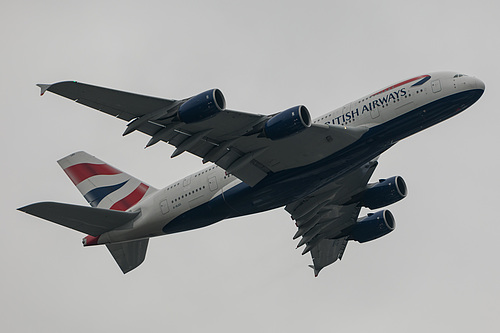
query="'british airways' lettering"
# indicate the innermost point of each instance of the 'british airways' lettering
(380, 102)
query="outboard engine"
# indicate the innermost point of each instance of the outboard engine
(373, 226)
(384, 193)
(202, 106)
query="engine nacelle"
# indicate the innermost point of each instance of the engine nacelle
(287, 123)
(384, 193)
(202, 106)
(373, 226)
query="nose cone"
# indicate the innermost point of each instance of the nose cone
(479, 84)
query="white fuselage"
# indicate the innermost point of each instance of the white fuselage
(376, 109)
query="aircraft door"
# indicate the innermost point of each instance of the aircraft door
(212, 183)
(375, 112)
(164, 206)
(436, 86)
(187, 181)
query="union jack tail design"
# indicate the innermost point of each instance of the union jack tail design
(102, 185)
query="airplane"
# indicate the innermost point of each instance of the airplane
(318, 169)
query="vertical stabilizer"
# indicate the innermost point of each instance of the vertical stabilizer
(102, 185)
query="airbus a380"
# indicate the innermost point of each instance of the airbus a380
(319, 169)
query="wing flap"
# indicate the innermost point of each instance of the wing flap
(89, 220)
(323, 216)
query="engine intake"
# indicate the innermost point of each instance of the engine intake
(384, 193)
(373, 226)
(288, 122)
(202, 106)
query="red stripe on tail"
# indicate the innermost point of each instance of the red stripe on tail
(79, 172)
(131, 199)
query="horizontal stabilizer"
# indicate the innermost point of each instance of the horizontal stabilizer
(89, 220)
(129, 255)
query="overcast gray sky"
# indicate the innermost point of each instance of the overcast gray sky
(437, 272)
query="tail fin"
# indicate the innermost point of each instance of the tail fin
(102, 185)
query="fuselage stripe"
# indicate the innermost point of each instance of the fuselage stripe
(400, 84)
(419, 83)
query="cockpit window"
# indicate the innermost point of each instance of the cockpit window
(459, 75)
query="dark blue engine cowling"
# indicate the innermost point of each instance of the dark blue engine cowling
(373, 226)
(202, 106)
(287, 122)
(384, 193)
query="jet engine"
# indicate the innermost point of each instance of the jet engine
(373, 226)
(384, 193)
(287, 123)
(202, 106)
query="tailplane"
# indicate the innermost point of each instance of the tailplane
(94, 222)
(89, 220)
(111, 193)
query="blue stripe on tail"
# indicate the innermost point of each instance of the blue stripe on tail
(95, 196)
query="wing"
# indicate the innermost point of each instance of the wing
(323, 216)
(230, 139)
(120, 104)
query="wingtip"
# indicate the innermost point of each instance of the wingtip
(43, 88)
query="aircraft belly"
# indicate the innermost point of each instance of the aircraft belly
(203, 215)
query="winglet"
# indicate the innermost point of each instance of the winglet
(43, 88)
